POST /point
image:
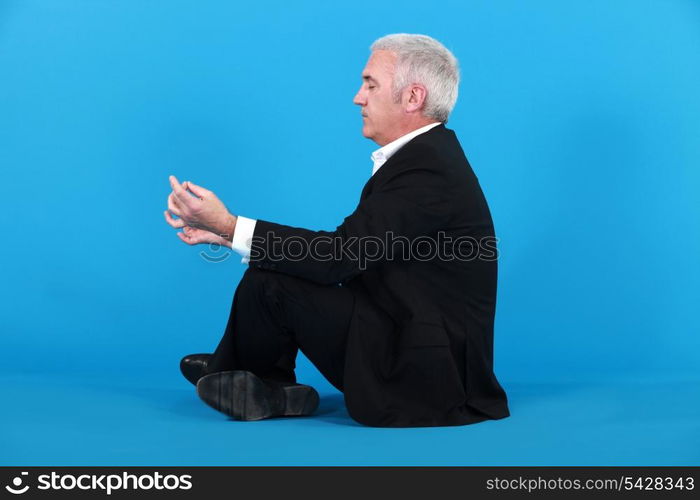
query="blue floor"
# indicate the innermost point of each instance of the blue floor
(90, 419)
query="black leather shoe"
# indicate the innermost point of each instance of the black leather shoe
(245, 396)
(192, 366)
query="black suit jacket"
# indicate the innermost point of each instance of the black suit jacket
(420, 344)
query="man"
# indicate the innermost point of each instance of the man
(395, 307)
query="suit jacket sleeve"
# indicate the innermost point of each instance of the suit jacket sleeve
(410, 200)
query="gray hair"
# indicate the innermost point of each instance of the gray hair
(422, 59)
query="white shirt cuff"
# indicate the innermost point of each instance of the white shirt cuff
(243, 237)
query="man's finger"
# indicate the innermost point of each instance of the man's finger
(198, 191)
(183, 237)
(173, 205)
(187, 239)
(177, 224)
(179, 191)
(172, 199)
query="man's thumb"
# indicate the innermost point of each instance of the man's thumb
(195, 189)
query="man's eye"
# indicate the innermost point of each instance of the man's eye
(371, 86)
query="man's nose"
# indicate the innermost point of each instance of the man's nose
(359, 98)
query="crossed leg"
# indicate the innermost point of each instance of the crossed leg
(273, 315)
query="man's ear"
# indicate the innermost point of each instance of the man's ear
(414, 98)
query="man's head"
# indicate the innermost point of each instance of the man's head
(409, 81)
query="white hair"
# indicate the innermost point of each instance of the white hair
(422, 59)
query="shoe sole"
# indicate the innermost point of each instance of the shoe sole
(245, 396)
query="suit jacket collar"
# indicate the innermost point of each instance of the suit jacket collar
(383, 154)
(405, 151)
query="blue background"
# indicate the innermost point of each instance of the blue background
(581, 120)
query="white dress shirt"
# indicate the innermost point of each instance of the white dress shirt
(245, 227)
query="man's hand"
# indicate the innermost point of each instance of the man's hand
(194, 236)
(203, 217)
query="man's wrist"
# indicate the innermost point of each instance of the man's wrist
(229, 227)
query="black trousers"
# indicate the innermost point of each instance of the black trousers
(273, 315)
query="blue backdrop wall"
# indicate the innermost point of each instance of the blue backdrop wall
(581, 120)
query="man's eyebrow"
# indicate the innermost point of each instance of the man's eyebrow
(368, 78)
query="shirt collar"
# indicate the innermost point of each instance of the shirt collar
(381, 155)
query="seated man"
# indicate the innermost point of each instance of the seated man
(395, 307)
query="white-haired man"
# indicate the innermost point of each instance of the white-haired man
(395, 307)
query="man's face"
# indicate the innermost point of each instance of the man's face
(381, 116)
